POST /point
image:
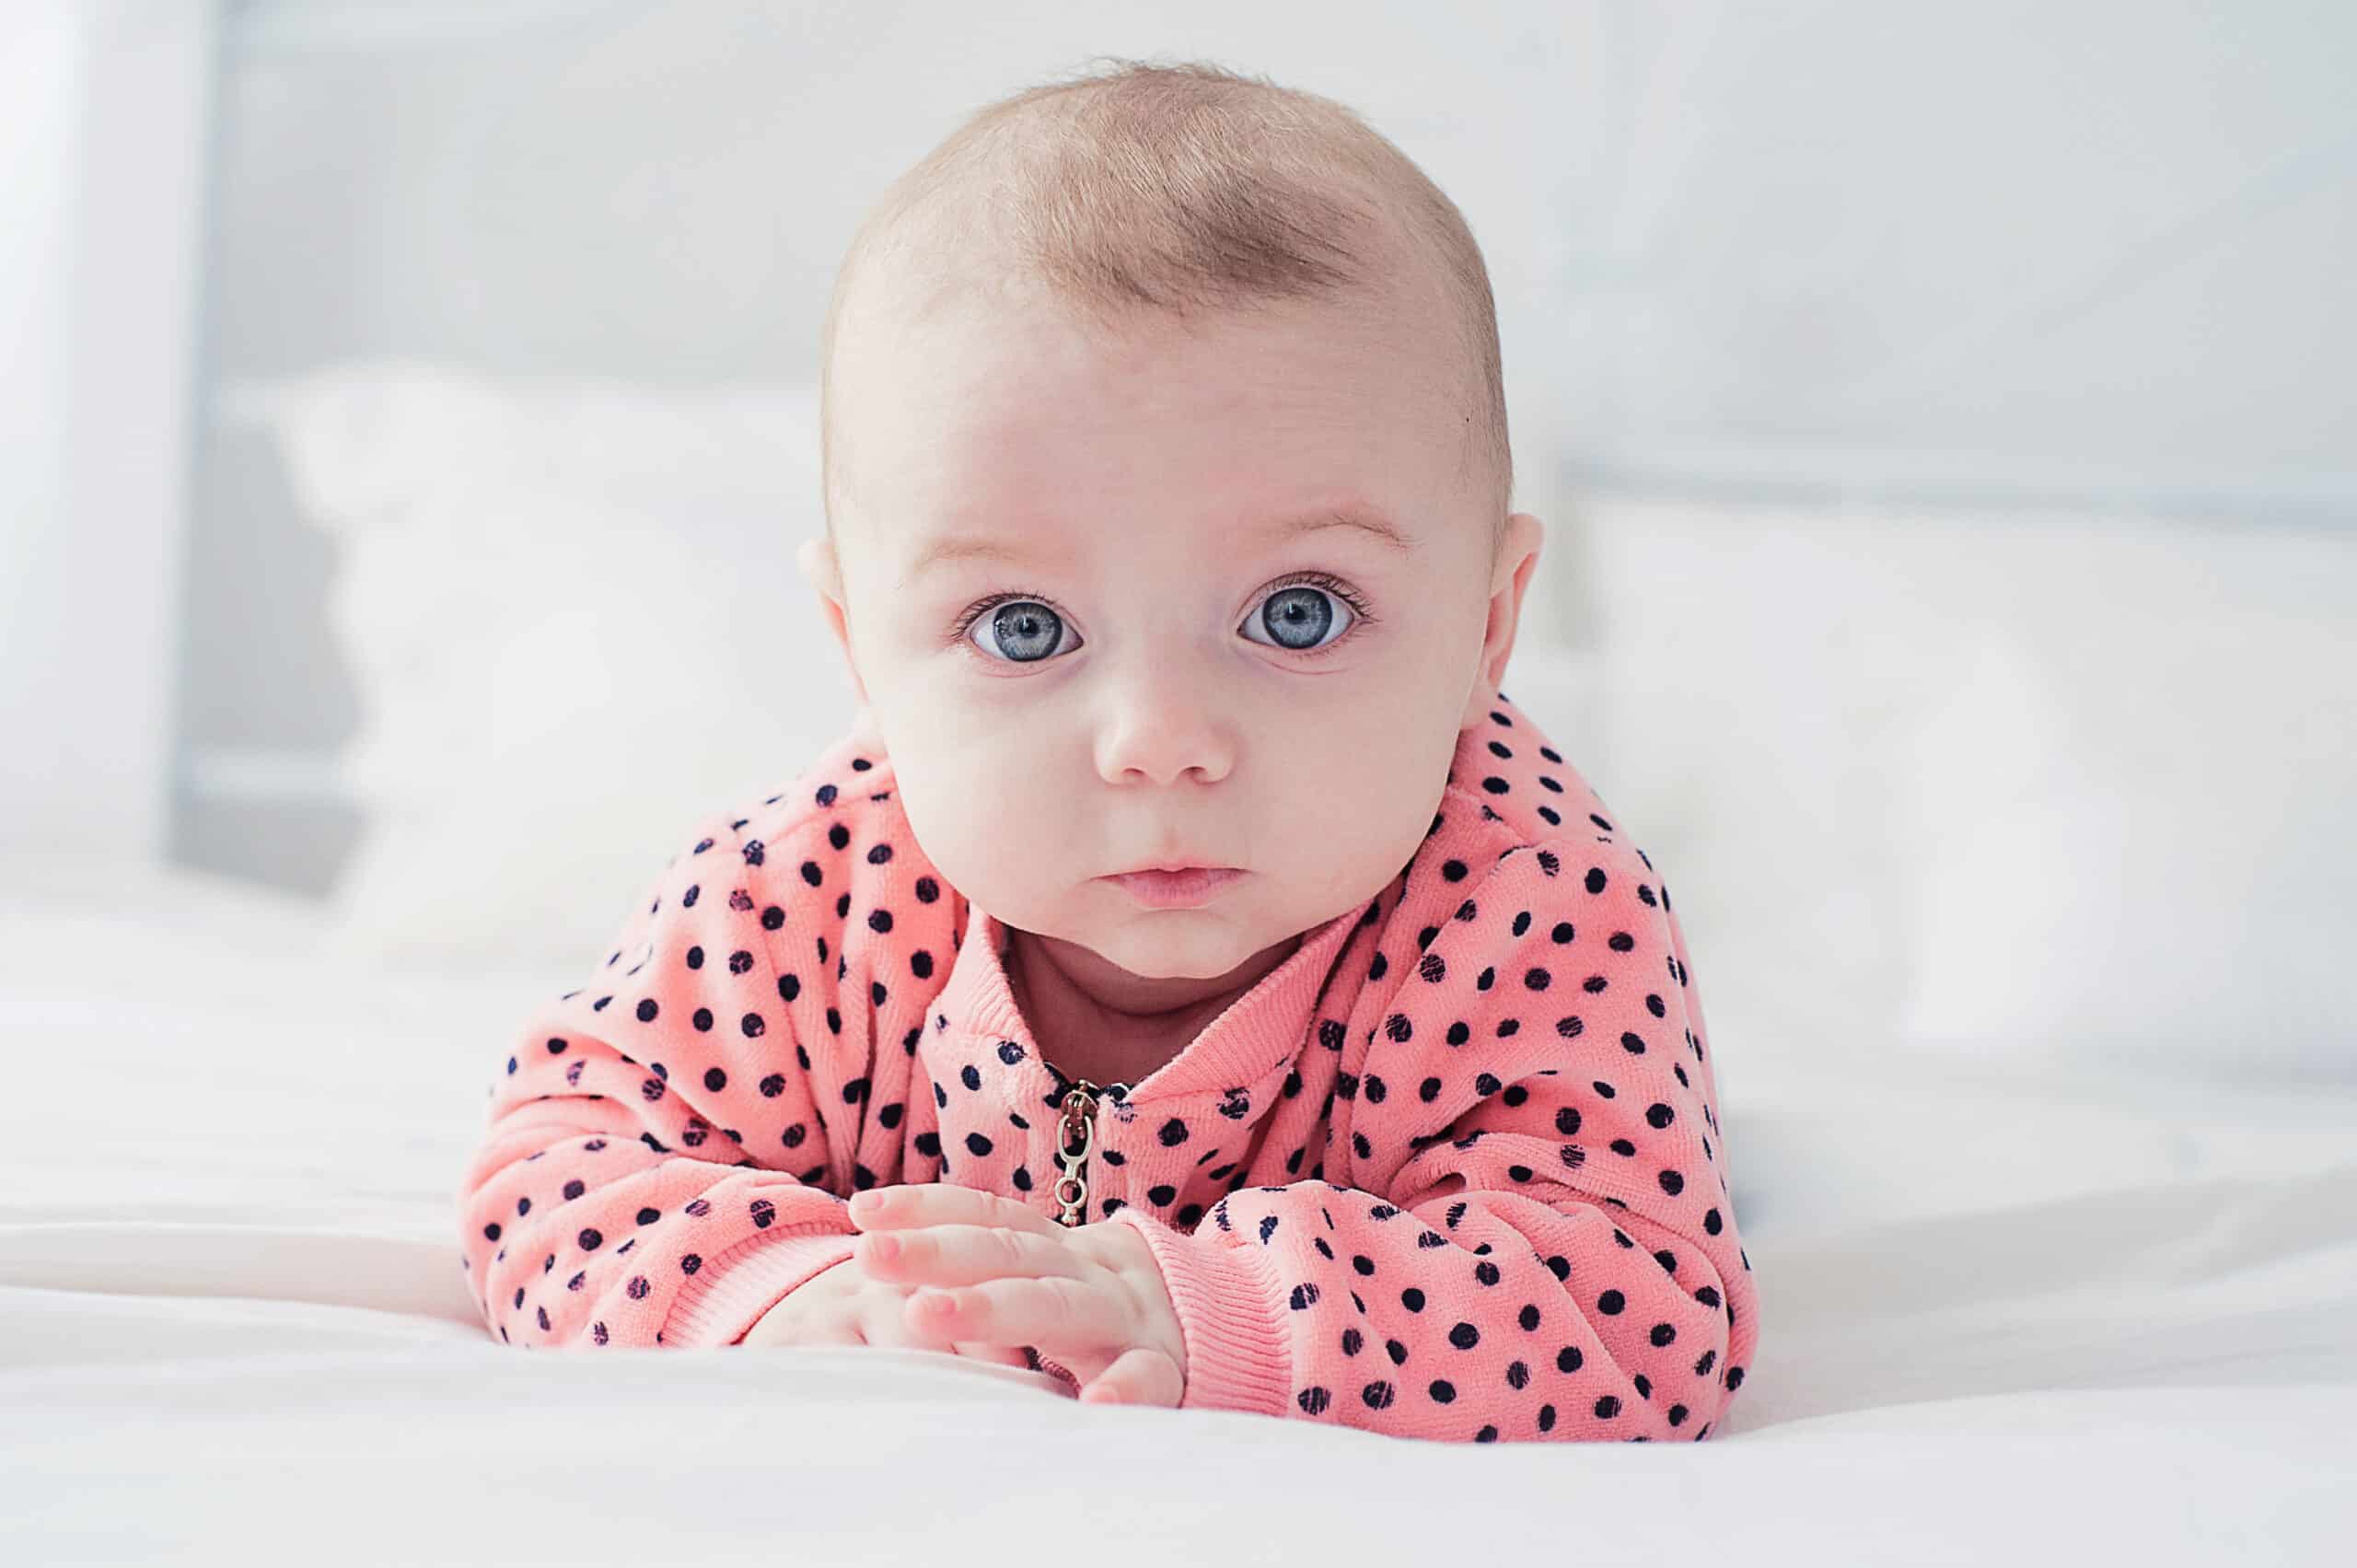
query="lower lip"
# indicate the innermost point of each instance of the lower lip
(1175, 890)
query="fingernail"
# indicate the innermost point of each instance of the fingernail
(883, 1248)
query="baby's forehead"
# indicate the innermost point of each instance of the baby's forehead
(1045, 368)
(986, 384)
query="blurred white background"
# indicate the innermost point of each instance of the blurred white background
(1941, 415)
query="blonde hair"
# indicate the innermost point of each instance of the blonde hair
(1173, 188)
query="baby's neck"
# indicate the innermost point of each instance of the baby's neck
(1086, 1038)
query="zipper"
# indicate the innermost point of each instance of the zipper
(1078, 1121)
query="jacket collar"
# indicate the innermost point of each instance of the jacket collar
(1254, 1039)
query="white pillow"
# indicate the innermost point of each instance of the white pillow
(2006, 787)
(576, 624)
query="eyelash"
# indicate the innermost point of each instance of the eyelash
(1360, 614)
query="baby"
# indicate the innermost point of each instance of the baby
(1193, 978)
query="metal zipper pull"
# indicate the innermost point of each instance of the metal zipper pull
(1079, 1120)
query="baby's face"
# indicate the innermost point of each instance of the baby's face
(1090, 634)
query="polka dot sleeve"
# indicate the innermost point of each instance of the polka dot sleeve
(613, 1199)
(1534, 1239)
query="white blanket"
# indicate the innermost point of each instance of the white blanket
(2003, 1318)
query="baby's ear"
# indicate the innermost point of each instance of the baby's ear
(1517, 556)
(824, 574)
(819, 568)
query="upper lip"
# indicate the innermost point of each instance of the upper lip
(1173, 866)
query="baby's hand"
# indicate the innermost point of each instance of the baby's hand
(844, 1305)
(1090, 1297)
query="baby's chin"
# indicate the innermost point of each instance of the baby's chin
(1164, 957)
(1195, 944)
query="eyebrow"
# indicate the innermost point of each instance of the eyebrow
(968, 547)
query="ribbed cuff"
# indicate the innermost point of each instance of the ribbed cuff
(1238, 1352)
(728, 1295)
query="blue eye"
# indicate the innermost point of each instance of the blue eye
(1299, 614)
(1026, 627)
(1023, 628)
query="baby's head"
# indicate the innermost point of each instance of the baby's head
(1167, 489)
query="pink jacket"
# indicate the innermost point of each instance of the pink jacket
(1458, 1153)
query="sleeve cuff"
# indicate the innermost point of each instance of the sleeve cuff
(1226, 1296)
(728, 1295)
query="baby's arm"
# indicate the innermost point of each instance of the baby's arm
(1532, 1238)
(612, 1202)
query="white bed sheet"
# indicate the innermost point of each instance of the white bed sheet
(2002, 1317)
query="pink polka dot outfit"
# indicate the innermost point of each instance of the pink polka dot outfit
(1452, 1171)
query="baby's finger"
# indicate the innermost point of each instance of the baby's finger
(1054, 1314)
(938, 1202)
(882, 1325)
(1139, 1375)
(962, 1254)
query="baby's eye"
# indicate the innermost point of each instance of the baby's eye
(1025, 630)
(1300, 614)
